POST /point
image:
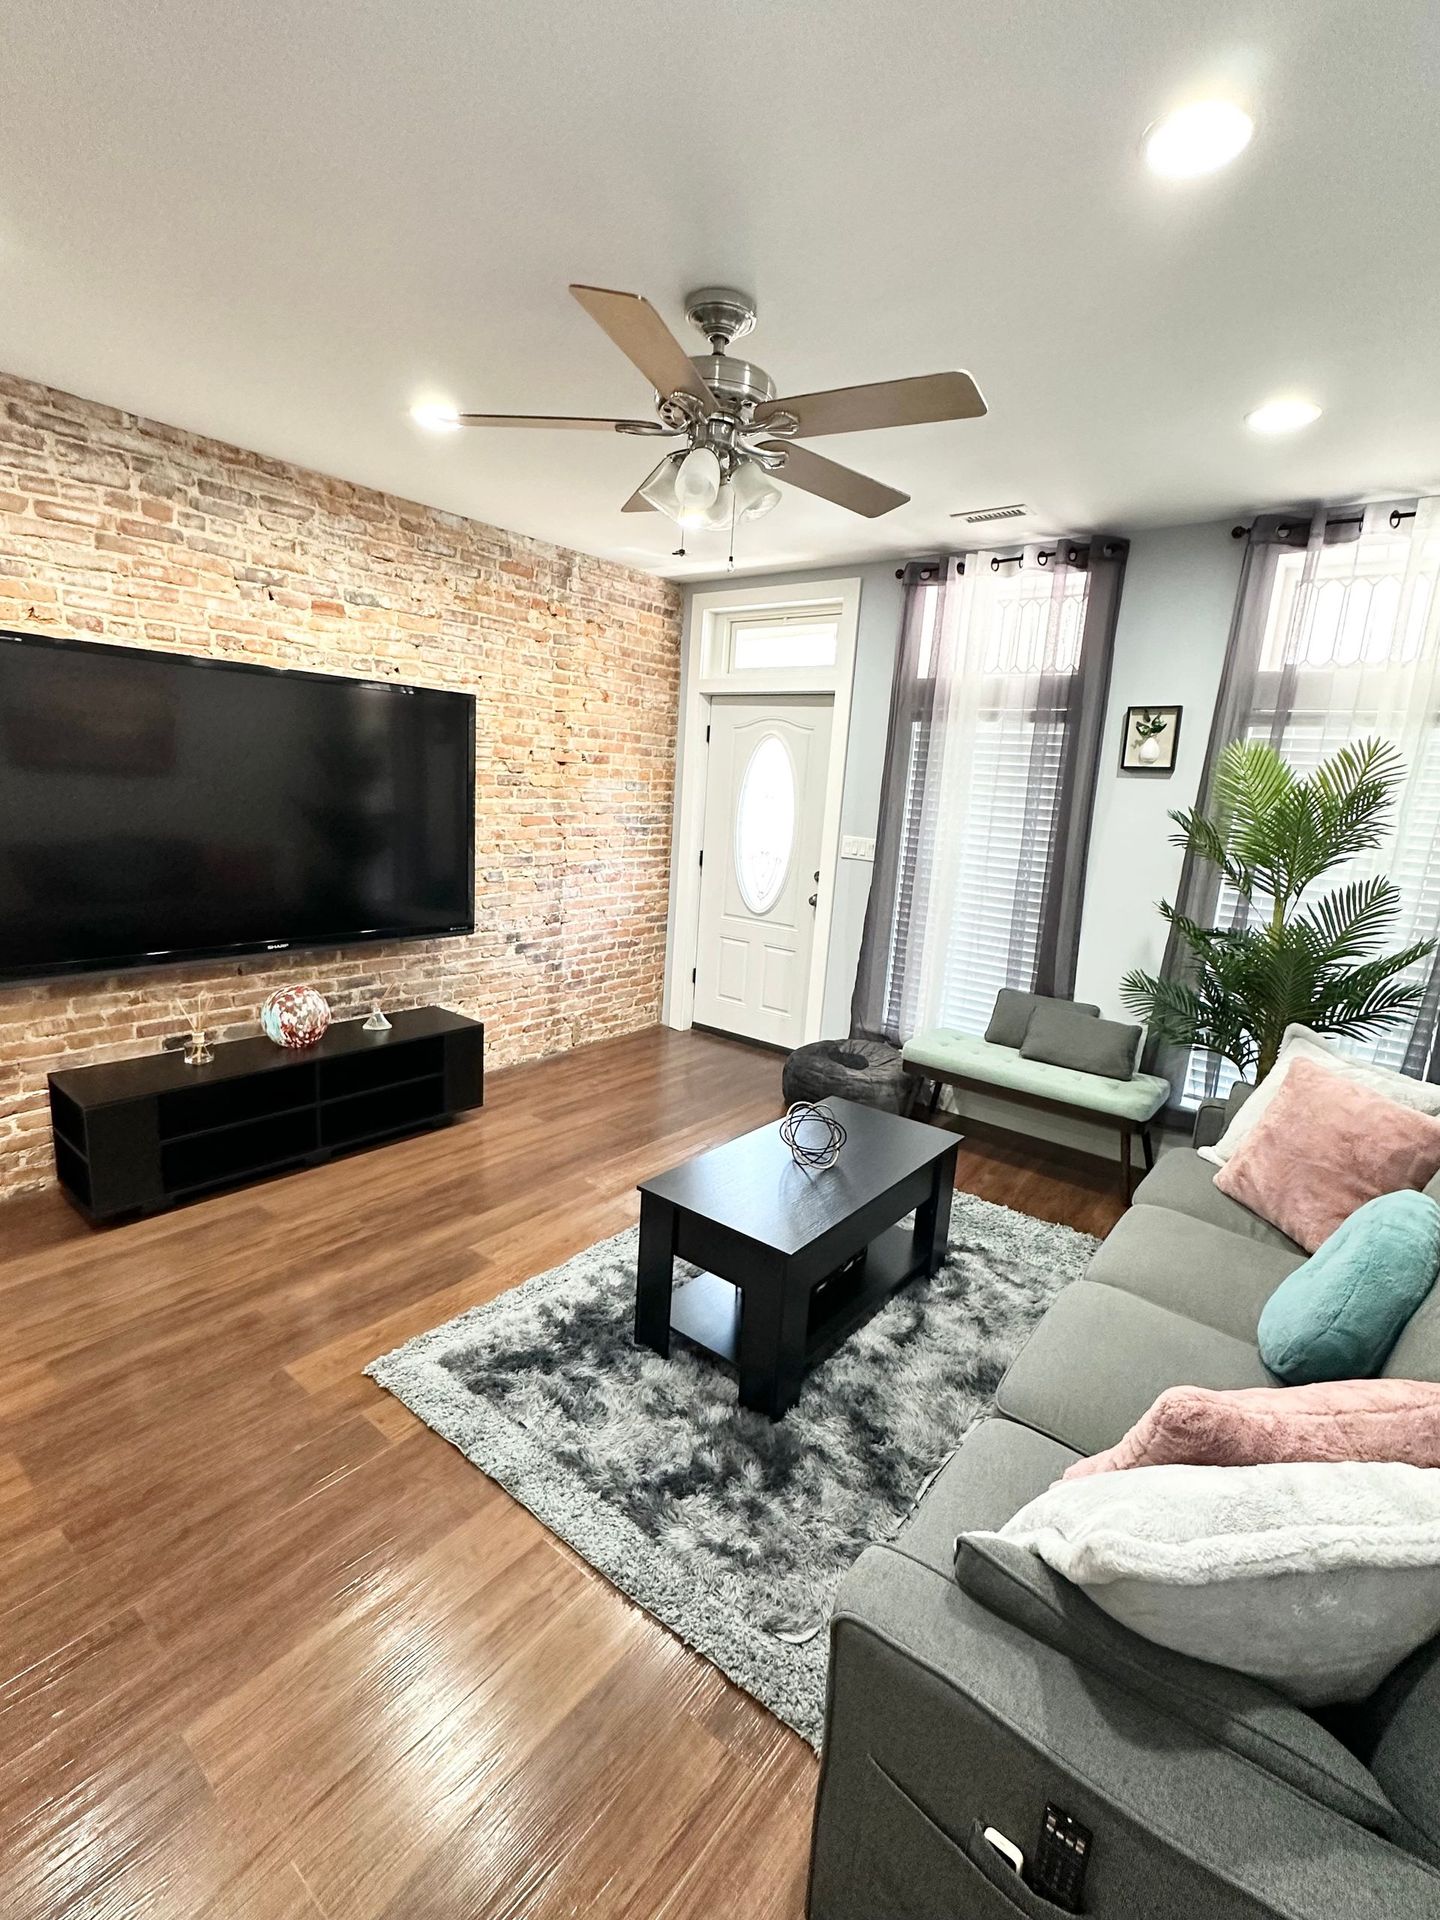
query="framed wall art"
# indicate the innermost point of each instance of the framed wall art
(1150, 738)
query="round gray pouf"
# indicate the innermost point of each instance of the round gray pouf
(865, 1070)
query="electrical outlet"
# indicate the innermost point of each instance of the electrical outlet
(855, 846)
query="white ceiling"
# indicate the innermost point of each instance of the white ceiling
(284, 221)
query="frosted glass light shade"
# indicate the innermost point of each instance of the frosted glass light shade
(714, 516)
(660, 490)
(755, 492)
(698, 479)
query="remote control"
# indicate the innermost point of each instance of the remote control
(1061, 1860)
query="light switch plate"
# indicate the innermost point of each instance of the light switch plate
(854, 846)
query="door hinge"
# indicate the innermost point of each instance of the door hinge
(694, 975)
(707, 736)
(702, 856)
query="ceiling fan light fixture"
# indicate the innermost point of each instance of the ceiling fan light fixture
(714, 517)
(726, 417)
(755, 492)
(697, 480)
(659, 487)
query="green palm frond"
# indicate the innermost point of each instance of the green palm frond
(1204, 837)
(1347, 923)
(1251, 781)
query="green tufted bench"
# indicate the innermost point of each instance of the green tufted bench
(961, 1060)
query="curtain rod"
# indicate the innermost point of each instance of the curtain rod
(1047, 554)
(1397, 515)
(998, 560)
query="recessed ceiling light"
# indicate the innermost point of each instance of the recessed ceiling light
(1282, 416)
(435, 417)
(1197, 139)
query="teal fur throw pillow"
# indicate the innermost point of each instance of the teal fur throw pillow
(1338, 1316)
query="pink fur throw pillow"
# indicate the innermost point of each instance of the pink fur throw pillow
(1323, 1148)
(1264, 1426)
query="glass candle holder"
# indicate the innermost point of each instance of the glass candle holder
(198, 1049)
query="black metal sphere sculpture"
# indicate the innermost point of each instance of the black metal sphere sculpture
(801, 1129)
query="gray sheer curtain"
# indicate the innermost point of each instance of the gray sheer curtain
(996, 714)
(1336, 636)
(1198, 895)
(895, 912)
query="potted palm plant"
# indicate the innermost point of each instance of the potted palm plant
(1287, 955)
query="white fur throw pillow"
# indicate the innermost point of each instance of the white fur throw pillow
(1317, 1578)
(1299, 1043)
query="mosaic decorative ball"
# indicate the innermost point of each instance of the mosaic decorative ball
(295, 1016)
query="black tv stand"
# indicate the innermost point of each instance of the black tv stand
(136, 1136)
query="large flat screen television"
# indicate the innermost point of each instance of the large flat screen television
(158, 808)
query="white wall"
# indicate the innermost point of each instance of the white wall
(1175, 612)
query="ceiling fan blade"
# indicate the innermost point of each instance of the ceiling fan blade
(558, 420)
(635, 504)
(885, 403)
(814, 474)
(645, 340)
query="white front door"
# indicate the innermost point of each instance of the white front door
(759, 882)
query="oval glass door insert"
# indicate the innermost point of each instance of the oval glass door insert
(765, 824)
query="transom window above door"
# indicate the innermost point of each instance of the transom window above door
(761, 642)
(770, 639)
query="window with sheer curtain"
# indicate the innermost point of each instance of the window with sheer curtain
(1007, 791)
(990, 768)
(1347, 644)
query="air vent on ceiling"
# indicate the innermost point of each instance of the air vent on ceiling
(1015, 511)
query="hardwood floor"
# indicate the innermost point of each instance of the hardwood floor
(269, 1649)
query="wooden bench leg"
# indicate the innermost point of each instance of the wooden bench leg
(937, 1087)
(1147, 1147)
(1127, 1169)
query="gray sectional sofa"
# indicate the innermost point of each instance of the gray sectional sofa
(963, 1697)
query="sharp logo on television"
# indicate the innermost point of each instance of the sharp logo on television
(155, 805)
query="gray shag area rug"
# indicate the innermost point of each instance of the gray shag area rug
(731, 1530)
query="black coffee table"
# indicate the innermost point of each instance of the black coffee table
(794, 1260)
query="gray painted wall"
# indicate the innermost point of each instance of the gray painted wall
(1175, 614)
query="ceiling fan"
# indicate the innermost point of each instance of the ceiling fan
(738, 438)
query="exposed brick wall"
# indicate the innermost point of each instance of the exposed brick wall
(120, 529)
